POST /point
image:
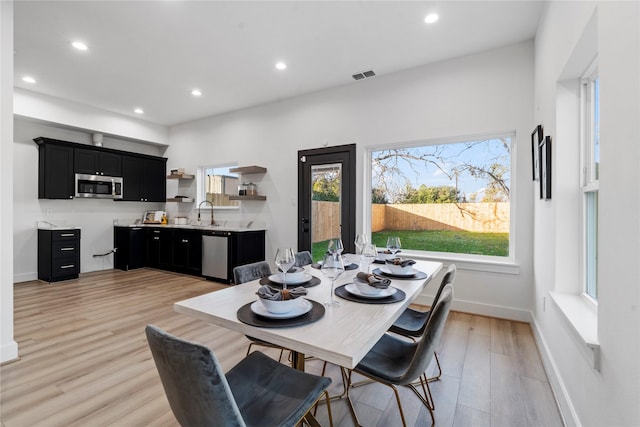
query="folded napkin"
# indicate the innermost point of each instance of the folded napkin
(387, 252)
(402, 262)
(293, 269)
(373, 280)
(267, 292)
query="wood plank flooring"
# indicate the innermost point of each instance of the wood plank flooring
(84, 361)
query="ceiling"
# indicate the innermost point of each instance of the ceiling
(151, 54)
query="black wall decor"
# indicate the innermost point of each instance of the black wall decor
(536, 139)
(544, 155)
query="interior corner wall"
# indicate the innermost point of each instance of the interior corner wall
(609, 396)
(8, 346)
(472, 95)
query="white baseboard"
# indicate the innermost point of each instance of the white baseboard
(567, 410)
(482, 309)
(9, 352)
(25, 277)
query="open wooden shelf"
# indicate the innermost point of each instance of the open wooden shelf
(180, 199)
(248, 169)
(257, 197)
(183, 176)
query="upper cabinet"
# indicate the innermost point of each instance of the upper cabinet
(144, 178)
(59, 161)
(94, 162)
(55, 171)
(249, 189)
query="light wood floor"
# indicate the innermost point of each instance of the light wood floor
(84, 360)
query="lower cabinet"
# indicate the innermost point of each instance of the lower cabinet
(58, 254)
(181, 250)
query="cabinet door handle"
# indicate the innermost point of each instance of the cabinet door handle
(67, 249)
(185, 241)
(156, 238)
(67, 266)
(67, 234)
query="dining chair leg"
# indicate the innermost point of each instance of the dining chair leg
(310, 418)
(436, 377)
(279, 357)
(427, 399)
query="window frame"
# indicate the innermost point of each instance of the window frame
(589, 183)
(490, 263)
(201, 186)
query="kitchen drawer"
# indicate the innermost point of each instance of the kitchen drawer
(65, 267)
(65, 249)
(72, 234)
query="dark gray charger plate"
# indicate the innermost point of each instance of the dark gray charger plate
(313, 282)
(246, 315)
(343, 293)
(418, 275)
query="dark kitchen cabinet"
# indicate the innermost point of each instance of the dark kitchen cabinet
(58, 254)
(95, 162)
(160, 248)
(187, 251)
(55, 171)
(144, 179)
(131, 247)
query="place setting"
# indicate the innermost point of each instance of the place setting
(370, 289)
(278, 308)
(288, 274)
(336, 247)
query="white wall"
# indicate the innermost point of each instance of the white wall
(609, 397)
(487, 92)
(8, 347)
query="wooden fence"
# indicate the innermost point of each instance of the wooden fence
(478, 217)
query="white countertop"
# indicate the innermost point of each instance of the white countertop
(199, 227)
(44, 225)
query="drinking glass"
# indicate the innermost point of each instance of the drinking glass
(335, 246)
(332, 268)
(285, 259)
(393, 244)
(369, 254)
(361, 240)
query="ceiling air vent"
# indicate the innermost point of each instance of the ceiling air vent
(364, 74)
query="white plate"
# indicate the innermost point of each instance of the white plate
(277, 279)
(303, 308)
(353, 290)
(410, 273)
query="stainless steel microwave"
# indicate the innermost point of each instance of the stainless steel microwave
(98, 186)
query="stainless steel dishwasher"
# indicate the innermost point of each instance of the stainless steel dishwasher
(215, 254)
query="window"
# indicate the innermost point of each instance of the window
(216, 184)
(446, 197)
(590, 99)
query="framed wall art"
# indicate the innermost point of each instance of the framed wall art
(536, 139)
(544, 157)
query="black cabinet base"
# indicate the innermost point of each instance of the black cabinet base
(58, 254)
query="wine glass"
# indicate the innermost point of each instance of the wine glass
(393, 244)
(332, 268)
(285, 259)
(361, 240)
(369, 254)
(335, 246)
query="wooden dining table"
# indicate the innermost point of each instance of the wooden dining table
(343, 335)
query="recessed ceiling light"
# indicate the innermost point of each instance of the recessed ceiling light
(431, 18)
(281, 66)
(79, 45)
(28, 79)
(196, 92)
(138, 111)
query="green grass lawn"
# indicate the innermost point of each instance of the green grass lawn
(496, 244)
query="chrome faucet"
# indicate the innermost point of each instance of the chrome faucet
(206, 201)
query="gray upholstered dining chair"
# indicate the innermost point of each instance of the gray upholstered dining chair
(258, 391)
(246, 273)
(411, 323)
(395, 361)
(303, 258)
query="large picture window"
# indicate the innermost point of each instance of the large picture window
(215, 184)
(590, 99)
(451, 197)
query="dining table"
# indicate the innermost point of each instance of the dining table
(341, 335)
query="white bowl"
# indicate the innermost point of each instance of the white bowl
(365, 288)
(279, 307)
(398, 269)
(295, 274)
(384, 256)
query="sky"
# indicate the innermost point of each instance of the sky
(450, 156)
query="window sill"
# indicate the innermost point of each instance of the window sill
(469, 262)
(582, 317)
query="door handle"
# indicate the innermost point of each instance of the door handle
(305, 220)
